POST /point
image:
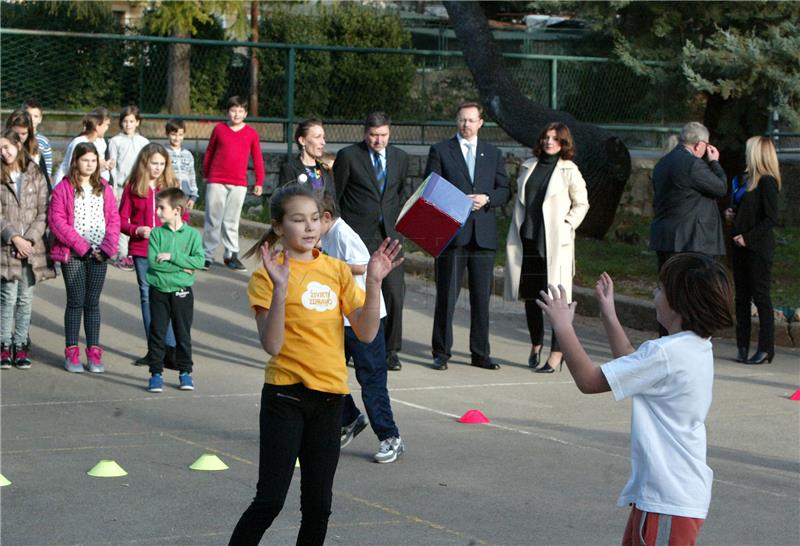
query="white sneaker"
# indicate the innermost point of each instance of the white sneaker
(390, 450)
(353, 429)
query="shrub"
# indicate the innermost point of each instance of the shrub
(312, 68)
(208, 66)
(362, 83)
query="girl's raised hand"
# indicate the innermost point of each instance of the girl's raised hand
(555, 306)
(278, 272)
(604, 292)
(384, 259)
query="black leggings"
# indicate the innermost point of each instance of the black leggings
(533, 279)
(83, 280)
(533, 314)
(295, 422)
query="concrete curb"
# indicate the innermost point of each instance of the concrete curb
(633, 312)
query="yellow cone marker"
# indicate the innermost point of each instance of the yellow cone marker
(208, 461)
(4, 481)
(107, 469)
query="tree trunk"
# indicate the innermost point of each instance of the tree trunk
(602, 158)
(253, 102)
(179, 77)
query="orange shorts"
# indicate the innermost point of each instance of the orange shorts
(651, 529)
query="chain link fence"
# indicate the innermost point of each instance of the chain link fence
(71, 72)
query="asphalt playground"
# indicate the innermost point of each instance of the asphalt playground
(546, 470)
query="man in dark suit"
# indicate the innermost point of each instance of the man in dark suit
(371, 180)
(477, 168)
(686, 182)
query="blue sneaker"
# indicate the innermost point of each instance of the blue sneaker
(186, 382)
(156, 383)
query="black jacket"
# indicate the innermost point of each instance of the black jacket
(361, 203)
(293, 167)
(756, 216)
(686, 216)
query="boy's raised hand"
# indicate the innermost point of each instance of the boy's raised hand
(555, 306)
(604, 292)
(384, 260)
(278, 272)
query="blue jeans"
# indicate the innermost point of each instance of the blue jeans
(369, 360)
(17, 303)
(140, 264)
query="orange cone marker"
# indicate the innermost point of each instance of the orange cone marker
(474, 417)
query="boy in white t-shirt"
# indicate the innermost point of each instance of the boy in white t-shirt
(369, 359)
(669, 380)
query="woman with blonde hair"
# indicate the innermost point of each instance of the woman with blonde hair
(551, 203)
(152, 172)
(754, 213)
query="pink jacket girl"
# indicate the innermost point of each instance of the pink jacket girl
(84, 221)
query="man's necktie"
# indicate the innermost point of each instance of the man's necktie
(471, 161)
(380, 172)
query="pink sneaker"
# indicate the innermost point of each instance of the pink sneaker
(5, 357)
(22, 359)
(94, 359)
(72, 359)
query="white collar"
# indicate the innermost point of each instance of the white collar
(462, 141)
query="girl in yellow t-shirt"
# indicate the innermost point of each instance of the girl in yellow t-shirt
(298, 297)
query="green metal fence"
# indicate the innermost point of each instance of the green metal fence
(73, 72)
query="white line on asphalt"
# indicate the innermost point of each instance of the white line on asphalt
(136, 399)
(495, 425)
(564, 442)
(476, 386)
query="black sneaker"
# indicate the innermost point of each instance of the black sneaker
(234, 263)
(206, 265)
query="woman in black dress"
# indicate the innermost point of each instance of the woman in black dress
(306, 167)
(754, 213)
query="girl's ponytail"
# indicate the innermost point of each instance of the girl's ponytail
(269, 236)
(94, 118)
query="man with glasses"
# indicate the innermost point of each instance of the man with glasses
(686, 183)
(477, 168)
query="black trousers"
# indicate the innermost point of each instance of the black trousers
(177, 307)
(532, 280)
(450, 267)
(295, 422)
(393, 289)
(751, 277)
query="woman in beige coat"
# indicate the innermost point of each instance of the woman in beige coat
(551, 203)
(23, 255)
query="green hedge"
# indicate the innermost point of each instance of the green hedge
(336, 85)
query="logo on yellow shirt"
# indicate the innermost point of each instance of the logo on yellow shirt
(319, 297)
